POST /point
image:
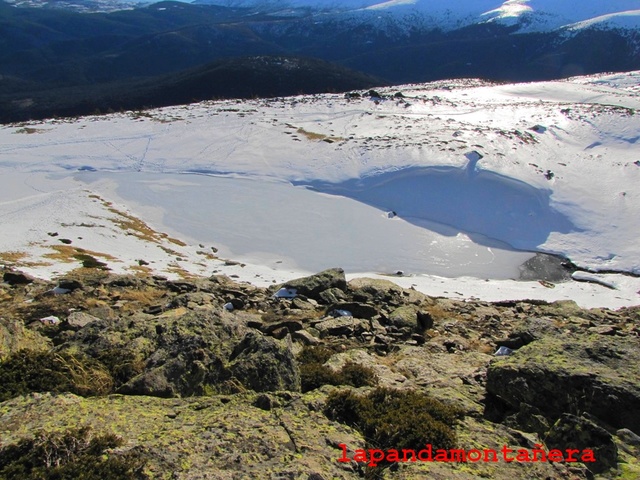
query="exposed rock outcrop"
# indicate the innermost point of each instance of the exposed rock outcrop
(230, 357)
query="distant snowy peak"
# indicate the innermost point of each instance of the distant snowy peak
(629, 20)
(529, 15)
(547, 15)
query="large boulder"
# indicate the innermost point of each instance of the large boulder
(579, 433)
(384, 292)
(197, 353)
(264, 364)
(314, 285)
(559, 375)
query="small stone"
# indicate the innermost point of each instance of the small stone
(627, 436)
(604, 330)
(305, 337)
(264, 402)
(69, 284)
(336, 327)
(50, 320)
(80, 319)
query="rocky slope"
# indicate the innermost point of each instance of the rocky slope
(209, 378)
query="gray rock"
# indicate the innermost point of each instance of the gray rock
(17, 278)
(300, 304)
(336, 327)
(305, 337)
(604, 329)
(332, 296)
(628, 436)
(405, 317)
(384, 292)
(69, 284)
(80, 319)
(313, 285)
(288, 325)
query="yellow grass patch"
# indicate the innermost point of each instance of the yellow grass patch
(68, 254)
(12, 257)
(318, 136)
(141, 230)
(141, 270)
(136, 227)
(181, 272)
(19, 259)
(145, 296)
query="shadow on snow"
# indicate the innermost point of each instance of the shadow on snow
(482, 204)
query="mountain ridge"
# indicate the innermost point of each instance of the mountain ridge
(56, 52)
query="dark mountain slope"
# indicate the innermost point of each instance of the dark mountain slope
(63, 62)
(235, 78)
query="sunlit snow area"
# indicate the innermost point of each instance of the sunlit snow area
(449, 187)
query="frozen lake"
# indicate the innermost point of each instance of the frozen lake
(275, 223)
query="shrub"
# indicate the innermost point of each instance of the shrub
(315, 354)
(314, 374)
(75, 454)
(29, 371)
(358, 375)
(396, 419)
(122, 364)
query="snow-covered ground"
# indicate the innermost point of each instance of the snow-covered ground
(456, 184)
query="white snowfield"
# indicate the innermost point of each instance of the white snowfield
(455, 184)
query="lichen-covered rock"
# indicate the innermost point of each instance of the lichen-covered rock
(405, 317)
(579, 373)
(184, 354)
(175, 339)
(14, 337)
(219, 437)
(264, 364)
(572, 432)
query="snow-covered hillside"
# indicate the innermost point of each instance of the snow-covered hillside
(457, 184)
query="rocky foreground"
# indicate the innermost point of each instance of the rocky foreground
(206, 378)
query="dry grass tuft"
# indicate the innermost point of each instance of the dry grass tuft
(136, 227)
(12, 257)
(30, 130)
(146, 296)
(66, 252)
(141, 270)
(181, 272)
